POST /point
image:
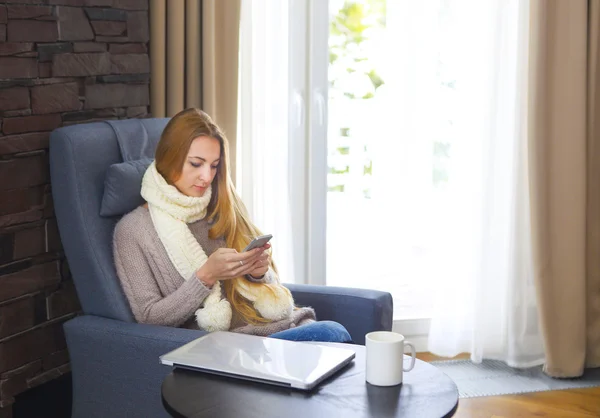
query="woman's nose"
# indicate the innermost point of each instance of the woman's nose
(204, 174)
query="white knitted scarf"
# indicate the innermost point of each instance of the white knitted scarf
(171, 211)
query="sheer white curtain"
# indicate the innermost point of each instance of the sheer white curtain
(485, 301)
(263, 175)
(457, 78)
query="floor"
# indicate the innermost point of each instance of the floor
(572, 403)
(50, 400)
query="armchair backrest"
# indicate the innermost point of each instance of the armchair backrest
(79, 158)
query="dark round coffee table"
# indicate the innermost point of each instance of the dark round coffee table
(426, 392)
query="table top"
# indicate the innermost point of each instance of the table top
(426, 392)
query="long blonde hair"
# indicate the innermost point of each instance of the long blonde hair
(225, 208)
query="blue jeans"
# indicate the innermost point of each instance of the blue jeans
(324, 331)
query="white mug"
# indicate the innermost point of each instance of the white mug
(385, 358)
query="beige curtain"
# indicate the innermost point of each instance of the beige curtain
(220, 52)
(564, 134)
(593, 188)
(194, 49)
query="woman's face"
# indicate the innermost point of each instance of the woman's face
(200, 166)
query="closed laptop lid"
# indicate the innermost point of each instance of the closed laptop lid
(269, 360)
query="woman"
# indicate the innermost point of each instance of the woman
(179, 256)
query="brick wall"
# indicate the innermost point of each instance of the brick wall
(62, 62)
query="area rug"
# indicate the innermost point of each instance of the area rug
(496, 378)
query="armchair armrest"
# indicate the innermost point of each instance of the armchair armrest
(115, 365)
(359, 310)
(139, 337)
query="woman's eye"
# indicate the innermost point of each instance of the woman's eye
(195, 164)
(214, 167)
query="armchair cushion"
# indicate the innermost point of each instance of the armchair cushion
(359, 310)
(122, 187)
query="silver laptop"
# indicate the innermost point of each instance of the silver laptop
(279, 362)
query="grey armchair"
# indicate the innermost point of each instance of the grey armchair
(114, 360)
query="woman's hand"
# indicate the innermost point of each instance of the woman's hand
(262, 264)
(227, 263)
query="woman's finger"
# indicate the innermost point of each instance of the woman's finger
(260, 268)
(254, 268)
(246, 256)
(258, 257)
(237, 265)
(239, 268)
(242, 268)
(225, 251)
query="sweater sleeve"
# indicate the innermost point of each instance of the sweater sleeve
(268, 277)
(140, 285)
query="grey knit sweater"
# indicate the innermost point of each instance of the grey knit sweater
(157, 293)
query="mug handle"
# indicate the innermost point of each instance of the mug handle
(413, 355)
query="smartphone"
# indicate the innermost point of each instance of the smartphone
(258, 242)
